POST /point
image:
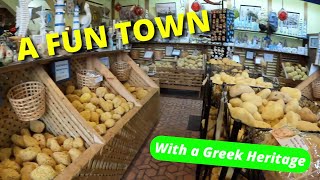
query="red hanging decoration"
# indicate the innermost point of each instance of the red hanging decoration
(283, 15)
(13, 29)
(138, 10)
(196, 6)
(118, 7)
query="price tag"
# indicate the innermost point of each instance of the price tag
(268, 57)
(148, 55)
(195, 52)
(258, 60)
(176, 52)
(285, 138)
(169, 50)
(250, 55)
(236, 58)
(61, 70)
(99, 79)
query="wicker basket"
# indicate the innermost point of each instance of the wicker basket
(135, 54)
(89, 78)
(316, 88)
(28, 100)
(121, 70)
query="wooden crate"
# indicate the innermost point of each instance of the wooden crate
(58, 118)
(306, 86)
(177, 79)
(116, 156)
(122, 141)
(285, 72)
(110, 81)
(139, 78)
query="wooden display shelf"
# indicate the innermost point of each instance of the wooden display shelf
(273, 68)
(58, 119)
(25, 64)
(108, 156)
(122, 141)
(306, 86)
(175, 77)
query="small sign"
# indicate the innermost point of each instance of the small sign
(236, 58)
(169, 50)
(250, 55)
(258, 60)
(148, 55)
(286, 138)
(195, 52)
(61, 70)
(268, 57)
(99, 79)
(105, 61)
(176, 52)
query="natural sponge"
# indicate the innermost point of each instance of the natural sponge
(85, 98)
(37, 126)
(101, 91)
(62, 158)
(70, 89)
(45, 159)
(9, 174)
(43, 172)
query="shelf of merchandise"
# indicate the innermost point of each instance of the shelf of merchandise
(42, 61)
(108, 156)
(274, 68)
(275, 34)
(174, 78)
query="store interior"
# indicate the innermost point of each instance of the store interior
(252, 77)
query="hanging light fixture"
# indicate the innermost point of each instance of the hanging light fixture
(196, 6)
(138, 10)
(118, 7)
(282, 14)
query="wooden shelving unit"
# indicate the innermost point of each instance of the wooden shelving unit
(174, 78)
(107, 156)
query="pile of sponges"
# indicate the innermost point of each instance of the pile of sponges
(38, 155)
(101, 109)
(138, 92)
(271, 109)
(240, 78)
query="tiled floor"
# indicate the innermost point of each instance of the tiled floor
(173, 121)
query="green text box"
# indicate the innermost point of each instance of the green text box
(221, 153)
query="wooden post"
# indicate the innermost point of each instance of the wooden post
(112, 8)
(279, 65)
(146, 5)
(269, 5)
(305, 11)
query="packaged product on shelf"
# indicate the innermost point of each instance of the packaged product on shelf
(37, 154)
(310, 141)
(271, 109)
(101, 109)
